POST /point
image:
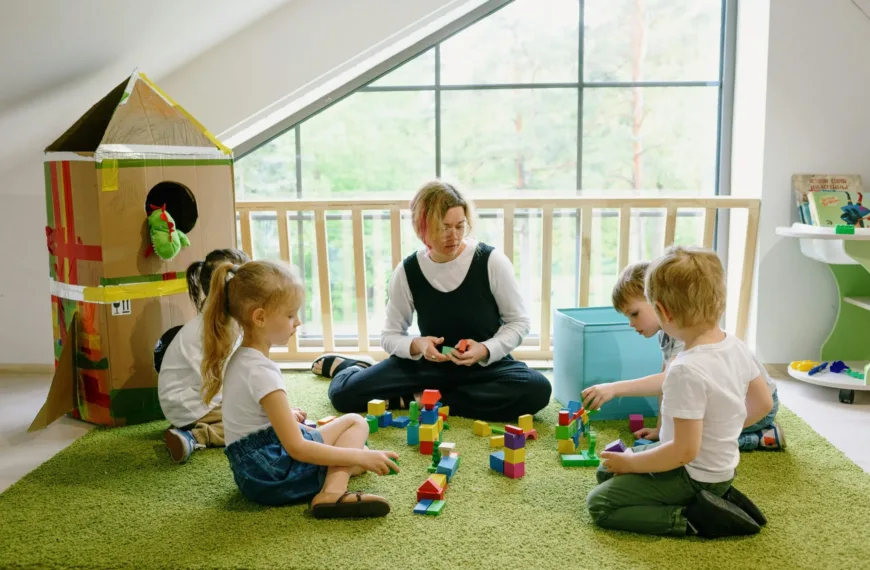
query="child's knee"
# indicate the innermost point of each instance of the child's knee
(598, 505)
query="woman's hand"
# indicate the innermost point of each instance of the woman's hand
(428, 347)
(472, 355)
(379, 462)
(596, 396)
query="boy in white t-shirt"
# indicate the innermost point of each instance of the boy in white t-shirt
(711, 391)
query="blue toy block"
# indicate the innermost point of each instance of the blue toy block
(422, 507)
(401, 422)
(429, 417)
(514, 441)
(384, 420)
(447, 466)
(414, 433)
(574, 407)
(496, 461)
(641, 442)
(576, 439)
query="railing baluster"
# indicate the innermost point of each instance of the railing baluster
(245, 226)
(585, 255)
(547, 273)
(359, 261)
(509, 231)
(323, 275)
(670, 226)
(624, 236)
(709, 227)
(284, 252)
(747, 272)
(396, 234)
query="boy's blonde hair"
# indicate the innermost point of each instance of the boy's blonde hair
(629, 286)
(236, 290)
(431, 203)
(690, 283)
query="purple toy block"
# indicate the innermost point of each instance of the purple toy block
(514, 441)
(635, 422)
(615, 446)
(310, 423)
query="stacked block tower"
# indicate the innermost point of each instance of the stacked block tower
(512, 461)
(574, 422)
(427, 424)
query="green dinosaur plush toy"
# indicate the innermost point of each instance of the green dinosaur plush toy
(166, 239)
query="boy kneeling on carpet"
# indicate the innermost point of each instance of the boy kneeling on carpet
(681, 485)
(274, 459)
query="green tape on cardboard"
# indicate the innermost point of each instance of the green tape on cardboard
(104, 281)
(86, 363)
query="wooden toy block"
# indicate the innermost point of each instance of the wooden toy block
(446, 425)
(444, 411)
(429, 487)
(584, 417)
(414, 433)
(514, 441)
(373, 423)
(377, 407)
(428, 433)
(572, 460)
(430, 398)
(421, 507)
(401, 422)
(513, 429)
(574, 406)
(496, 461)
(438, 479)
(481, 428)
(514, 455)
(462, 345)
(514, 470)
(615, 446)
(532, 434)
(448, 467)
(497, 430)
(567, 446)
(429, 417)
(324, 421)
(642, 442)
(385, 419)
(446, 350)
(566, 432)
(590, 459)
(576, 439)
(414, 411)
(439, 496)
(313, 424)
(435, 508)
(564, 418)
(426, 447)
(432, 469)
(526, 422)
(393, 471)
(447, 448)
(440, 424)
(635, 422)
(496, 441)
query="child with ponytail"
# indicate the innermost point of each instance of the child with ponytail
(274, 459)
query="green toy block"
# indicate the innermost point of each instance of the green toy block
(446, 426)
(572, 460)
(497, 430)
(435, 508)
(566, 432)
(844, 229)
(393, 471)
(445, 350)
(373, 423)
(590, 459)
(414, 411)
(432, 469)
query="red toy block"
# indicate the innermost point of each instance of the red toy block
(532, 434)
(426, 447)
(513, 470)
(513, 429)
(443, 416)
(430, 398)
(564, 418)
(462, 345)
(635, 422)
(439, 496)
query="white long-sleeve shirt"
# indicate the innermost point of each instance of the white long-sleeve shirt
(446, 277)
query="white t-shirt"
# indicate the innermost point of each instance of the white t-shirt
(179, 383)
(248, 378)
(709, 383)
(446, 277)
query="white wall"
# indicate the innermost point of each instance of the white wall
(222, 86)
(817, 120)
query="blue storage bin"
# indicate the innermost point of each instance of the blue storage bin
(594, 345)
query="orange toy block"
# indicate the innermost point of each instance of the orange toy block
(430, 398)
(324, 421)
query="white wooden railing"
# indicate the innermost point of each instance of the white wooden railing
(508, 206)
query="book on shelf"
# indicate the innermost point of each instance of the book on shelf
(804, 185)
(834, 208)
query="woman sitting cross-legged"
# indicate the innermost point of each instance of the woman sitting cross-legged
(461, 289)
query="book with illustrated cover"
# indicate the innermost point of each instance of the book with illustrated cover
(833, 208)
(804, 184)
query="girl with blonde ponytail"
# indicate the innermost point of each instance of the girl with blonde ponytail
(274, 459)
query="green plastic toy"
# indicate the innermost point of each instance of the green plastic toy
(166, 239)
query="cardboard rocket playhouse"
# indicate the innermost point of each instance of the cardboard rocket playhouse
(136, 190)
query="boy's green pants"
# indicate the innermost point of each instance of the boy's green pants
(649, 503)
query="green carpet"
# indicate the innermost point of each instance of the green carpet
(113, 500)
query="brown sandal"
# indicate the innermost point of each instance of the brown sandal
(355, 509)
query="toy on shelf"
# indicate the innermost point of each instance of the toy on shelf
(511, 462)
(574, 422)
(817, 369)
(804, 365)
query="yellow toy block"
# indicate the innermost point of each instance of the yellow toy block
(585, 417)
(566, 447)
(440, 424)
(377, 407)
(525, 423)
(496, 441)
(439, 479)
(444, 410)
(482, 428)
(515, 455)
(428, 433)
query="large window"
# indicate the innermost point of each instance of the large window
(582, 97)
